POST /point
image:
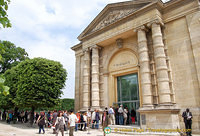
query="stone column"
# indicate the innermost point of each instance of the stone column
(77, 85)
(161, 65)
(95, 78)
(145, 73)
(86, 80)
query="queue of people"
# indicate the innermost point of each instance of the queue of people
(63, 120)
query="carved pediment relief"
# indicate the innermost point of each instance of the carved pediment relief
(113, 13)
(112, 17)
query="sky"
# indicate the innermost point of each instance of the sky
(49, 28)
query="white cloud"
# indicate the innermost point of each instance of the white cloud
(48, 28)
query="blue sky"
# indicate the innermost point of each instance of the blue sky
(49, 28)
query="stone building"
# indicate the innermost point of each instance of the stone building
(143, 54)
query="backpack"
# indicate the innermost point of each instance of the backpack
(81, 119)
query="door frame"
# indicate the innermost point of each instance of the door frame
(112, 93)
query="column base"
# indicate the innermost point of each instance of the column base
(160, 117)
(85, 109)
(96, 108)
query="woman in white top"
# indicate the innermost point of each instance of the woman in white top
(125, 115)
(60, 122)
(85, 119)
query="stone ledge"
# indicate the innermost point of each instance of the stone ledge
(160, 108)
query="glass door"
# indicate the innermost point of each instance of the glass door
(128, 96)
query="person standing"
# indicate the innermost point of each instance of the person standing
(111, 115)
(49, 118)
(89, 114)
(78, 121)
(60, 123)
(125, 115)
(81, 121)
(120, 110)
(85, 119)
(72, 120)
(97, 118)
(105, 120)
(26, 117)
(54, 120)
(133, 116)
(93, 118)
(117, 116)
(41, 122)
(65, 115)
(187, 116)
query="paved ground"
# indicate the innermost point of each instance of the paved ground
(23, 130)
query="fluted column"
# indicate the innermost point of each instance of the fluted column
(86, 80)
(145, 73)
(95, 77)
(161, 65)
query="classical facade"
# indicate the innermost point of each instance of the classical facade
(143, 54)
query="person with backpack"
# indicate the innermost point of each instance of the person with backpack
(41, 122)
(60, 122)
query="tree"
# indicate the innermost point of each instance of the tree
(11, 55)
(4, 21)
(65, 104)
(3, 89)
(39, 83)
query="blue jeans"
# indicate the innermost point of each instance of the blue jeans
(97, 124)
(117, 119)
(93, 123)
(121, 120)
(41, 128)
(76, 127)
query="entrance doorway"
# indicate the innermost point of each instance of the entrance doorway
(128, 96)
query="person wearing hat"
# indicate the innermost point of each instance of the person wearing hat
(187, 116)
(120, 110)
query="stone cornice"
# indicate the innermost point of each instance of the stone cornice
(77, 47)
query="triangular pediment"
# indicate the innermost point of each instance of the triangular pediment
(113, 13)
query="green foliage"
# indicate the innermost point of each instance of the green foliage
(39, 83)
(3, 89)
(4, 21)
(11, 55)
(5, 101)
(65, 104)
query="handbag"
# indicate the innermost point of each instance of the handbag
(40, 123)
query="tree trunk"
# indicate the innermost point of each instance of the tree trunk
(32, 116)
(4, 114)
(15, 115)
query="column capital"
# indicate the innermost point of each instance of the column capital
(156, 21)
(95, 47)
(86, 50)
(140, 28)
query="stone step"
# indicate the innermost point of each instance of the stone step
(137, 131)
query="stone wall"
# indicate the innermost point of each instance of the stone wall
(183, 68)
